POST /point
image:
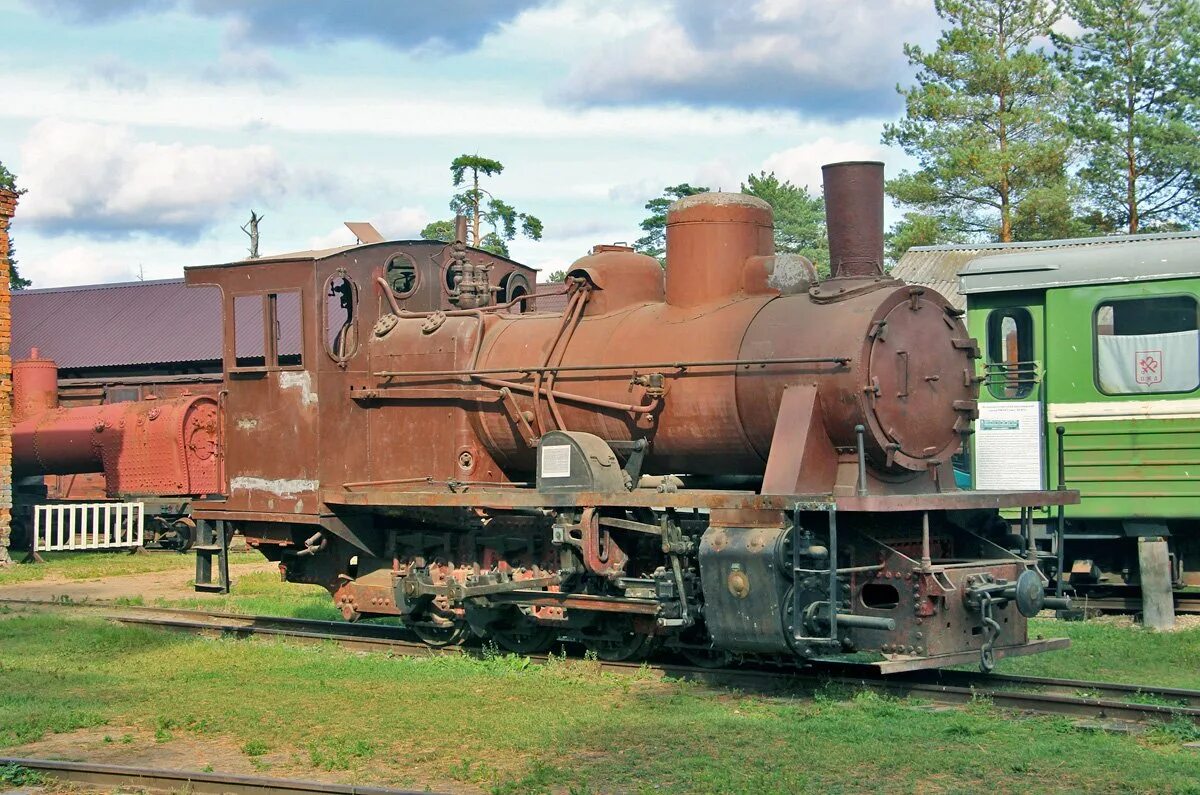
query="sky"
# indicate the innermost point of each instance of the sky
(145, 131)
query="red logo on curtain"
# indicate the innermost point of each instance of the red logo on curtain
(1149, 367)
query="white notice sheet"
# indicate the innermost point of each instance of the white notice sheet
(1008, 446)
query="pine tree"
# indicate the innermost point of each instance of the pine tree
(15, 282)
(982, 120)
(654, 242)
(1134, 79)
(480, 206)
(799, 216)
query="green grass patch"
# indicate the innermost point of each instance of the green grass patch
(92, 565)
(502, 725)
(263, 593)
(1106, 651)
(19, 776)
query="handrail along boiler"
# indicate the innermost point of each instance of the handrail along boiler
(725, 456)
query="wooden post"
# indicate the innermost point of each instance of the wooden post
(8, 206)
(1158, 602)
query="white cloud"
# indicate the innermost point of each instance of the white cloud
(114, 72)
(100, 179)
(331, 106)
(834, 60)
(77, 259)
(802, 164)
(244, 63)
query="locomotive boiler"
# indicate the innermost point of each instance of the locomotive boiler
(725, 456)
(162, 452)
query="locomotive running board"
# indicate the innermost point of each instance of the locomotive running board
(512, 498)
(899, 663)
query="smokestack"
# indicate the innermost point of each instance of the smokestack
(854, 217)
(460, 229)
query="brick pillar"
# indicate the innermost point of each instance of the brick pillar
(8, 205)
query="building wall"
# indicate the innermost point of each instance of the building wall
(8, 205)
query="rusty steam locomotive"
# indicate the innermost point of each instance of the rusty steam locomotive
(726, 456)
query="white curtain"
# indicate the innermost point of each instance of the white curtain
(1148, 363)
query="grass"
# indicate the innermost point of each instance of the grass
(92, 565)
(263, 593)
(1100, 650)
(501, 725)
(1108, 651)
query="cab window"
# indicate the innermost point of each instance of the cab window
(1010, 371)
(341, 316)
(1147, 345)
(267, 331)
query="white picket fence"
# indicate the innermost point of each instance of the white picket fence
(88, 525)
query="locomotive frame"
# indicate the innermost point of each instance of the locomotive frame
(511, 474)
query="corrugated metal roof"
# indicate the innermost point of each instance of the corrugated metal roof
(118, 325)
(1132, 259)
(938, 267)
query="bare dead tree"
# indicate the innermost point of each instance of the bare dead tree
(251, 229)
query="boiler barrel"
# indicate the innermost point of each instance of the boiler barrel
(60, 442)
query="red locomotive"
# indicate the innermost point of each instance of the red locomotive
(162, 450)
(728, 456)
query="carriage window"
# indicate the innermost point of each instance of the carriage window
(122, 394)
(249, 342)
(402, 275)
(1147, 345)
(285, 307)
(1010, 371)
(341, 317)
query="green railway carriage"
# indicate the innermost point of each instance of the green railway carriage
(1100, 339)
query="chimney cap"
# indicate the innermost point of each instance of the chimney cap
(853, 163)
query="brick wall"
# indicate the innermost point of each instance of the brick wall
(8, 205)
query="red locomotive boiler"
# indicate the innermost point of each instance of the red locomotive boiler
(726, 456)
(165, 451)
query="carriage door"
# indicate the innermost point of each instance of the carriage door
(1009, 438)
(270, 408)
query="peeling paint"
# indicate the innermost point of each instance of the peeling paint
(280, 488)
(247, 424)
(298, 379)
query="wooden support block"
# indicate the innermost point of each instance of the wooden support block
(1158, 603)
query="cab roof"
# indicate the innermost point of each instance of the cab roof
(1094, 260)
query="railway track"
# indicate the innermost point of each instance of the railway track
(1104, 701)
(1186, 603)
(193, 782)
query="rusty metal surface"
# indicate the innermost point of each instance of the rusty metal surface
(408, 445)
(710, 238)
(163, 447)
(854, 217)
(34, 385)
(900, 663)
(481, 496)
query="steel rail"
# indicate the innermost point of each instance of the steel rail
(1080, 698)
(1185, 604)
(1045, 684)
(191, 781)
